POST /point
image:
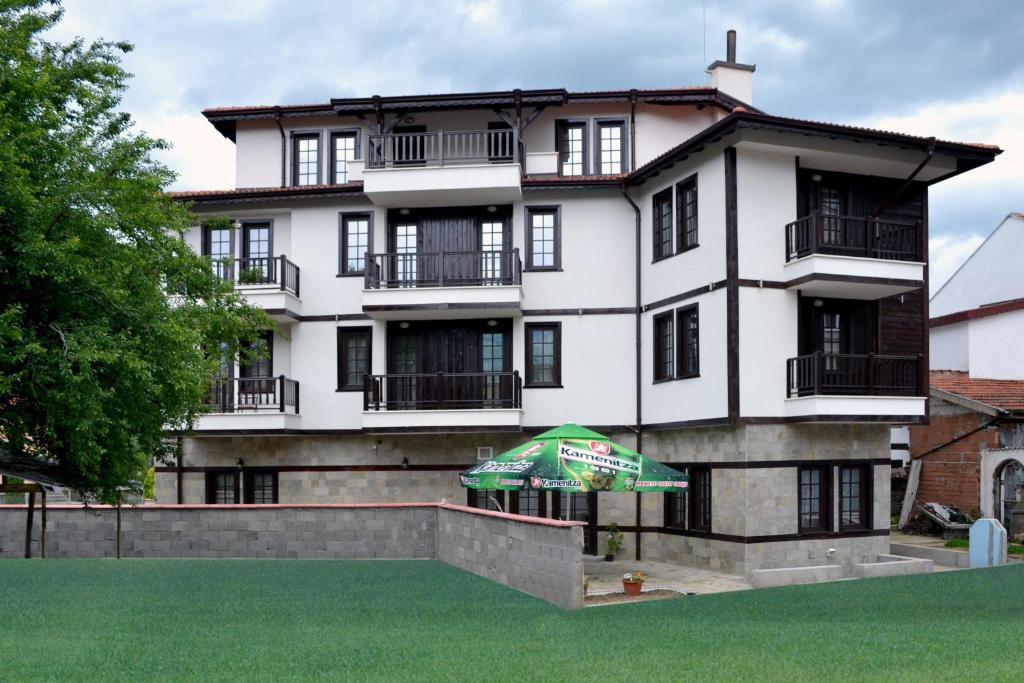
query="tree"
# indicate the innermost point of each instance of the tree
(110, 325)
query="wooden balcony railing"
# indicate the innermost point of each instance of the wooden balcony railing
(444, 269)
(254, 394)
(268, 270)
(443, 391)
(443, 148)
(846, 374)
(869, 237)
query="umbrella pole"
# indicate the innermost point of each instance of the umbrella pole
(638, 513)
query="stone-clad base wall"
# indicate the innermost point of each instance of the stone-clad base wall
(540, 557)
(535, 558)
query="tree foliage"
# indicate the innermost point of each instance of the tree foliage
(110, 325)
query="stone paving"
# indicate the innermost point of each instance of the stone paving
(606, 577)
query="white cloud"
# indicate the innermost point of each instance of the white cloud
(946, 253)
(202, 157)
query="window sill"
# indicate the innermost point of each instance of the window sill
(348, 389)
(354, 274)
(543, 386)
(678, 377)
(542, 270)
(686, 249)
(659, 259)
(691, 375)
(663, 380)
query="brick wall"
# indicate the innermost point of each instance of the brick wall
(951, 475)
(540, 557)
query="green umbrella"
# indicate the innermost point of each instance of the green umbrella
(574, 459)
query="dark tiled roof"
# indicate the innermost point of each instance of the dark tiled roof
(1006, 394)
(985, 311)
(254, 193)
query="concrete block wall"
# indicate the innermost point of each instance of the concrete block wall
(540, 557)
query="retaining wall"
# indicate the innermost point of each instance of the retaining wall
(541, 557)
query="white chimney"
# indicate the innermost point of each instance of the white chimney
(730, 76)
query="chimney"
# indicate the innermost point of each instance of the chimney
(730, 76)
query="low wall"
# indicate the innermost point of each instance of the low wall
(787, 576)
(538, 556)
(542, 557)
(945, 557)
(892, 565)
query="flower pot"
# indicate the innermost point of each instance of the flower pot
(632, 587)
(609, 557)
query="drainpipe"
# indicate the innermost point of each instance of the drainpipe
(930, 152)
(639, 401)
(632, 135)
(277, 120)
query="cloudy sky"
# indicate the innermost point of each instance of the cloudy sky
(949, 68)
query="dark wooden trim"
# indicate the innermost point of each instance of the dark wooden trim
(534, 312)
(975, 313)
(211, 482)
(777, 464)
(283, 311)
(825, 499)
(452, 467)
(763, 284)
(657, 229)
(656, 343)
(681, 236)
(732, 296)
(796, 419)
(683, 296)
(336, 317)
(249, 488)
(681, 341)
(343, 218)
(866, 495)
(685, 424)
(924, 380)
(529, 211)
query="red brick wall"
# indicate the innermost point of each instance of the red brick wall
(951, 474)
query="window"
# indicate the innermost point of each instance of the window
(257, 243)
(405, 263)
(306, 159)
(543, 238)
(663, 347)
(260, 486)
(853, 497)
(486, 499)
(686, 218)
(354, 242)
(700, 498)
(222, 487)
(528, 502)
(492, 241)
(344, 148)
(219, 245)
(610, 146)
(688, 351)
(354, 347)
(571, 145)
(543, 354)
(832, 209)
(675, 509)
(814, 499)
(663, 224)
(260, 362)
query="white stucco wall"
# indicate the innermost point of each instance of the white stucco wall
(949, 348)
(766, 202)
(991, 274)
(994, 345)
(768, 337)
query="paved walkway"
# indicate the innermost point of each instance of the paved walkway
(606, 577)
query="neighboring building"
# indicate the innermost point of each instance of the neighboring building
(741, 293)
(971, 451)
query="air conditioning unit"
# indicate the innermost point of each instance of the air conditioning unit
(484, 452)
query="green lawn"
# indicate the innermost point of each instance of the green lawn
(423, 620)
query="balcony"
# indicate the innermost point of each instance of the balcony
(854, 385)
(458, 284)
(853, 257)
(443, 168)
(271, 283)
(436, 400)
(236, 403)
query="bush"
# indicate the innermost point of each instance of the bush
(148, 484)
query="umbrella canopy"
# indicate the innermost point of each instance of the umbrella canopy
(573, 458)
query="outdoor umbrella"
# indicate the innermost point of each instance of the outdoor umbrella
(574, 459)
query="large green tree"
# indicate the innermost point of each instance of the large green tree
(110, 326)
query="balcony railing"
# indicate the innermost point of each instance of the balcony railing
(268, 270)
(254, 394)
(444, 269)
(868, 237)
(443, 391)
(846, 374)
(443, 148)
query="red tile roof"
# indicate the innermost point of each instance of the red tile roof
(259, 192)
(1006, 394)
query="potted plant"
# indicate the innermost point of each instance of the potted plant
(613, 543)
(632, 581)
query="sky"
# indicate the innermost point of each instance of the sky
(948, 68)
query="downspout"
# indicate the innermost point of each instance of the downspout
(632, 135)
(930, 152)
(277, 120)
(637, 315)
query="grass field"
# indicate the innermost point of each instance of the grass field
(423, 620)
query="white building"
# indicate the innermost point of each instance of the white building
(739, 292)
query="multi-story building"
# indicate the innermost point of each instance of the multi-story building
(739, 294)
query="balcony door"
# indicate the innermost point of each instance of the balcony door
(449, 364)
(219, 245)
(257, 248)
(839, 329)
